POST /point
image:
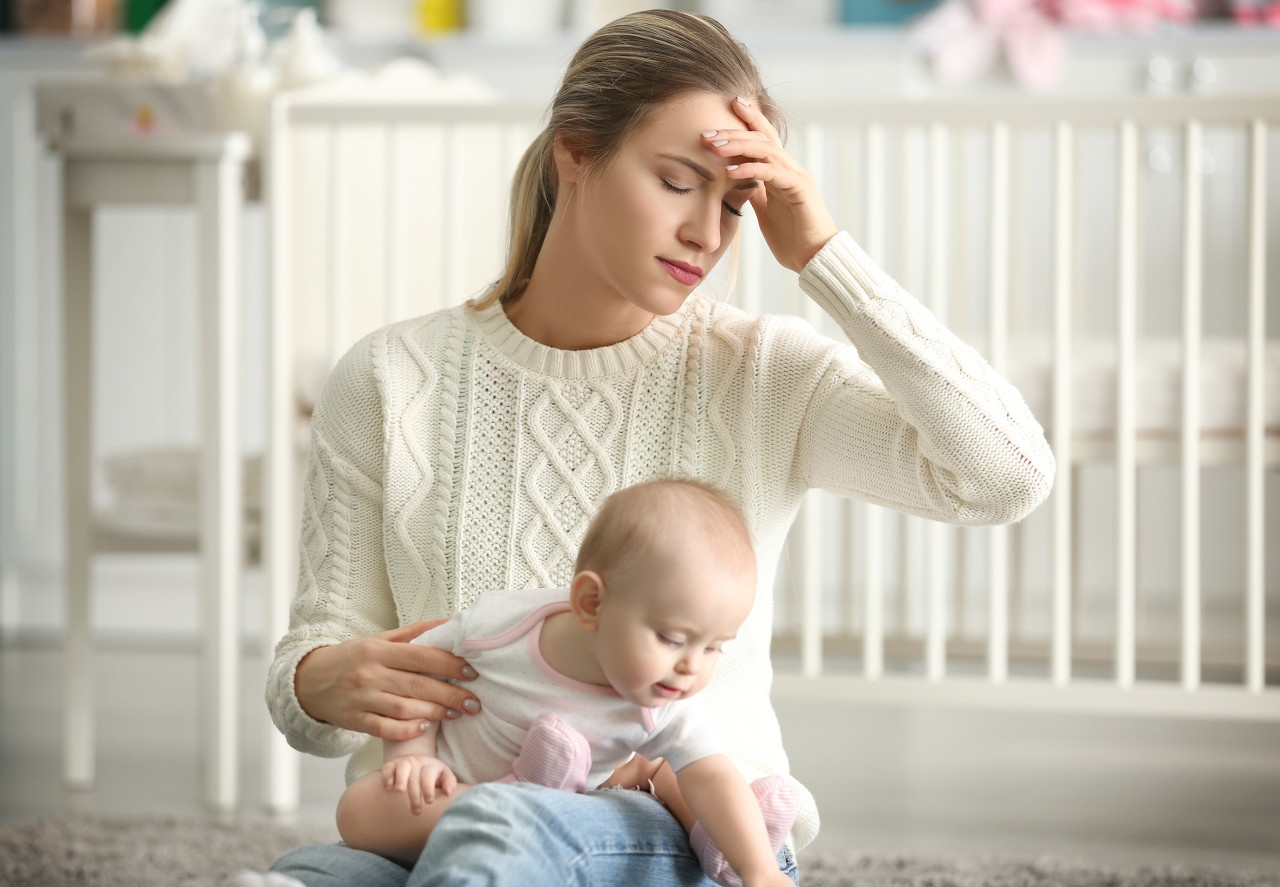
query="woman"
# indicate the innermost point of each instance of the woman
(467, 450)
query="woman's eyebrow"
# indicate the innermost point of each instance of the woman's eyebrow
(706, 174)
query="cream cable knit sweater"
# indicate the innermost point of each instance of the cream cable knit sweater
(452, 455)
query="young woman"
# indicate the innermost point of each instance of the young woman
(467, 450)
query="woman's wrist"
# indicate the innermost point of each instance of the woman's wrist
(818, 244)
(305, 682)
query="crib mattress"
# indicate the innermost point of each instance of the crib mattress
(1157, 385)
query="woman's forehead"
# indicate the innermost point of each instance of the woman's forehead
(686, 117)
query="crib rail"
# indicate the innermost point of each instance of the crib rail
(1030, 225)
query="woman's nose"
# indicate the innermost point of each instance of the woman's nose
(701, 231)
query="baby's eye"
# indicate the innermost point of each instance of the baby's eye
(670, 640)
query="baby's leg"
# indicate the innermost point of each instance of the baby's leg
(778, 799)
(377, 819)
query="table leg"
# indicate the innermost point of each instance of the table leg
(218, 203)
(281, 500)
(77, 320)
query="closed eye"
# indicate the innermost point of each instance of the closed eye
(670, 641)
(676, 190)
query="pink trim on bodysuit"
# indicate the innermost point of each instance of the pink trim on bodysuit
(501, 640)
(527, 625)
(646, 716)
(555, 677)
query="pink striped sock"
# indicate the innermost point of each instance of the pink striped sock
(553, 754)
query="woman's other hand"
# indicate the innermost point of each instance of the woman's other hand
(789, 208)
(382, 685)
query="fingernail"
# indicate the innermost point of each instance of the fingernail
(422, 726)
(471, 705)
(743, 102)
(732, 166)
(710, 134)
(720, 143)
(469, 672)
(449, 713)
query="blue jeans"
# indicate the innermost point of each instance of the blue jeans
(528, 835)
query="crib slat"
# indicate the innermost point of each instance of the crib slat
(395, 228)
(1062, 499)
(1191, 270)
(452, 173)
(1255, 547)
(811, 544)
(1126, 462)
(939, 244)
(873, 516)
(334, 305)
(997, 318)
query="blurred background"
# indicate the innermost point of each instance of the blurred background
(923, 777)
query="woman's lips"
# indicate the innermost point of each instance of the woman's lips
(682, 271)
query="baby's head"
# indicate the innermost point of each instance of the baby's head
(665, 575)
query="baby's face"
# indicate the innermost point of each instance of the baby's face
(661, 632)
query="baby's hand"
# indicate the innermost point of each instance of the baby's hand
(419, 776)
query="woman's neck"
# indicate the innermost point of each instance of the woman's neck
(562, 309)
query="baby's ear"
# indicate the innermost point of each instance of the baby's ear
(586, 593)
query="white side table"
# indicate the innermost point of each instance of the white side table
(207, 171)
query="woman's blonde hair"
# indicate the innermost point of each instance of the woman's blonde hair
(615, 80)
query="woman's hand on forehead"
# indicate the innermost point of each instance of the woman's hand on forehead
(789, 207)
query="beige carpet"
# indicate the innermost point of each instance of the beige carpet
(114, 851)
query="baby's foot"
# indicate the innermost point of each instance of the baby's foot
(554, 755)
(779, 799)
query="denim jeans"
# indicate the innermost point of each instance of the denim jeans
(528, 835)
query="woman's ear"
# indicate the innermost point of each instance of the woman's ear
(569, 162)
(586, 594)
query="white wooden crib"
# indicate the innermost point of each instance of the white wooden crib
(1109, 255)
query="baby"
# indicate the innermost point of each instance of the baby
(665, 577)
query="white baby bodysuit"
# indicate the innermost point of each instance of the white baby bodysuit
(499, 636)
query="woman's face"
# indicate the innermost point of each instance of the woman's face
(654, 222)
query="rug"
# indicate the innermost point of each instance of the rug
(117, 851)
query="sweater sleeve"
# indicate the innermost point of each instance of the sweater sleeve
(914, 419)
(343, 590)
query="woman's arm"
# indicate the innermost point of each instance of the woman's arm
(934, 430)
(343, 669)
(930, 428)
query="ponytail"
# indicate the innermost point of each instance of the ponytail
(533, 200)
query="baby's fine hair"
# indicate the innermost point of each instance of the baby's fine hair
(619, 75)
(656, 518)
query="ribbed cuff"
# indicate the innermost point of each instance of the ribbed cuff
(842, 279)
(304, 732)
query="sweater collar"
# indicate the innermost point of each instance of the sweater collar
(592, 363)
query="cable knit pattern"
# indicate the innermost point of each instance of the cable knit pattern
(452, 455)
